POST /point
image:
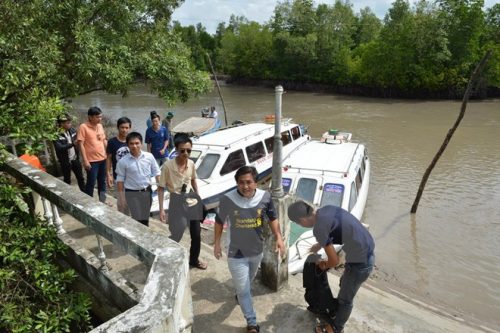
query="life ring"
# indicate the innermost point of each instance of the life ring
(269, 118)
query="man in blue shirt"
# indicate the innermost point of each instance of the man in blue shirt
(334, 225)
(157, 138)
(133, 174)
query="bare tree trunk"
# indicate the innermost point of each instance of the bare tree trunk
(472, 83)
(218, 87)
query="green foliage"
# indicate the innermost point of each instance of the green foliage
(430, 46)
(51, 50)
(35, 292)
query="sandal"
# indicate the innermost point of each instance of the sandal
(324, 328)
(253, 329)
(200, 265)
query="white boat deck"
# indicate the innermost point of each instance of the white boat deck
(322, 157)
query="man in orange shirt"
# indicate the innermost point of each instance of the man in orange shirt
(91, 139)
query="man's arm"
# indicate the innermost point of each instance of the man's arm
(122, 203)
(85, 161)
(333, 258)
(218, 227)
(160, 203)
(280, 246)
(109, 168)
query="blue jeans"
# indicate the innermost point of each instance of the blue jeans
(354, 275)
(243, 271)
(97, 173)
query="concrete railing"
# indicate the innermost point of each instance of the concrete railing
(165, 304)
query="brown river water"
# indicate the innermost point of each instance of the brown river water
(449, 252)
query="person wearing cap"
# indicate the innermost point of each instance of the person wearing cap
(133, 175)
(245, 210)
(92, 142)
(157, 138)
(167, 123)
(334, 225)
(67, 152)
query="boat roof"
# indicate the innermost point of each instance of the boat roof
(195, 125)
(226, 137)
(320, 156)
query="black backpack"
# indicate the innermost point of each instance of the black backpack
(318, 293)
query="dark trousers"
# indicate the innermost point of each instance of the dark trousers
(139, 204)
(318, 293)
(97, 173)
(176, 233)
(179, 216)
(75, 165)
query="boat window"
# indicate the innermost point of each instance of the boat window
(306, 188)
(296, 132)
(286, 183)
(207, 165)
(362, 168)
(359, 180)
(195, 155)
(255, 151)
(286, 138)
(269, 144)
(234, 161)
(353, 197)
(332, 195)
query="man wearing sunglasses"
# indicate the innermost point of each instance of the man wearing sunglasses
(185, 207)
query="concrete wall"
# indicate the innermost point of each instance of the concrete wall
(165, 304)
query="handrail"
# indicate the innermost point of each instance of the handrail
(228, 145)
(162, 306)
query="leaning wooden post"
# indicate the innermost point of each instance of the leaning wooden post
(275, 268)
(218, 88)
(472, 82)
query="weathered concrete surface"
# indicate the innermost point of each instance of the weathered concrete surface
(165, 301)
(376, 308)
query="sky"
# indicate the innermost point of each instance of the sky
(211, 12)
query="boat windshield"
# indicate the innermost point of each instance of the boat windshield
(332, 195)
(306, 187)
(195, 155)
(207, 165)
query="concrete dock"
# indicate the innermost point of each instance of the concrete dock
(377, 308)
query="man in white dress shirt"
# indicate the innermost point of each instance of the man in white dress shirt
(133, 174)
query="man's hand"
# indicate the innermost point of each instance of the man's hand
(322, 264)
(217, 251)
(86, 165)
(109, 180)
(315, 248)
(162, 216)
(280, 247)
(121, 204)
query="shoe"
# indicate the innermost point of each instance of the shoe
(200, 265)
(253, 329)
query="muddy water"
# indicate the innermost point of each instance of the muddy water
(449, 251)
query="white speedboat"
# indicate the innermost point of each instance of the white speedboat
(330, 171)
(218, 155)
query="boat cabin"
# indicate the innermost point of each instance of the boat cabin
(325, 173)
(218, 155)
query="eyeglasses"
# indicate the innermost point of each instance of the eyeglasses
(187, 151)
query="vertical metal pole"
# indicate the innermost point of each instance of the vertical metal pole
(273, 267)
(276, 186)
